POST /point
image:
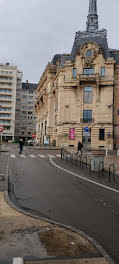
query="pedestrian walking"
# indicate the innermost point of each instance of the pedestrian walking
(80, 146)
(21, 143)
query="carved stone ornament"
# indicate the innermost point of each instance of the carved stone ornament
(89, 52)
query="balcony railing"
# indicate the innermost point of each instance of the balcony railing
(87, 77)
(87, 120)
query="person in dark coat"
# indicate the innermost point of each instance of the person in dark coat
(21, 143)
(80, 146)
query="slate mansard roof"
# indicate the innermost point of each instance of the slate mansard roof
(29, 86)
(92, 34)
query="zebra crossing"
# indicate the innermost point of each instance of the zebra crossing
(23, 156)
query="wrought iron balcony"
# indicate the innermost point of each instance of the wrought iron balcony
(87, 120)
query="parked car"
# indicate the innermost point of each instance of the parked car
(30, 142)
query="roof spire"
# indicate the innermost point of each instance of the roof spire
(92, 22)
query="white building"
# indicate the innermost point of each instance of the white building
(10, 77)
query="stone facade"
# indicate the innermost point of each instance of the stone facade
(78, 93)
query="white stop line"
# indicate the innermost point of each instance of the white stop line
(83, 178)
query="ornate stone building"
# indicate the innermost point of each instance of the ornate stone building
(78, 93)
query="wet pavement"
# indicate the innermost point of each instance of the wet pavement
(3, 164)
(48, 191)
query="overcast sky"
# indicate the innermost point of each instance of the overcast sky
(33, 31)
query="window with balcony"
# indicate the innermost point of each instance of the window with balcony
(5, 96)
(74, 73)
(23, 107)
(5, 121)
(102, 71)
(89, 71)
(6, 127)
(5, 115)
(23, 117)
(29, 123)
(87, 96)
(87, 116)
(30, 107)
(101, 134)
(118, 112)
(17, 116)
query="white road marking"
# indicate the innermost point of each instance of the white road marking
(59, 156)
(83, 178)
(12, 156)
(22, 156)
(32, 156)
(51, 156)
(41, 156)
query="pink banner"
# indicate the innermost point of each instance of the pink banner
(72, 133)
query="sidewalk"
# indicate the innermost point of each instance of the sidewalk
(110, 159)
(34, 239)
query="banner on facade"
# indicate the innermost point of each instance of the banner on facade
(72, 133)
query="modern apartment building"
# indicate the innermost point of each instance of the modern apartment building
(25, 117)
(78, 93)
(9, 79)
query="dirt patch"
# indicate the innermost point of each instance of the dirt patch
(61, 243)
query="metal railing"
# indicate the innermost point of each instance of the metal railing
(87, 120)
(81, 161)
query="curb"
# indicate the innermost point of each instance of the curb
(20, 210)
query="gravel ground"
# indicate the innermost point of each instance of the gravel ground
(24, 236)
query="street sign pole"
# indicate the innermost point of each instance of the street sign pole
(1, 130)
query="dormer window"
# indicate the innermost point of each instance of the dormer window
(74, 73)
(89, 53)
(103, 71)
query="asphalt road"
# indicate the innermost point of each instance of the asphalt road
(56, 194)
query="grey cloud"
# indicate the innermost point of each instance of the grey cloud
(32, 31)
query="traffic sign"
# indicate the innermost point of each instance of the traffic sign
(34, 135)
(1, 129)
(86, 134)
(86, 129)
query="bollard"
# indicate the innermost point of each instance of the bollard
(84, 158)
(99, 168)
(61, 152)
(92, 160)
(112, 166)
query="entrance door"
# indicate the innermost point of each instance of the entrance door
(87, 139)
